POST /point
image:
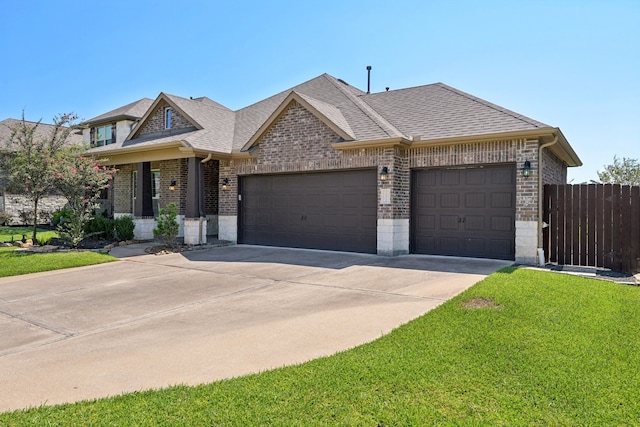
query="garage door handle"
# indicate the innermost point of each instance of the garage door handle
(460, 219)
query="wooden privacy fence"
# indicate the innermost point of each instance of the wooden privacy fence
(596, 225)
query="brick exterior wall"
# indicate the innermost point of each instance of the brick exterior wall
(554, 170)
(155, 122)
(300, 142)
(527, 187)
(210, 171)
(170, 170)
(122, 189)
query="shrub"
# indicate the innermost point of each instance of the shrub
(5, 218)
(124, 227)
(101, 226)
(60, 217)
(167, 225)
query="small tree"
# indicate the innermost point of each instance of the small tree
(167, 225)
(624, 172)
(30, 154)
(80, 179)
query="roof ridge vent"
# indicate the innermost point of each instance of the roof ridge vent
(343, 82)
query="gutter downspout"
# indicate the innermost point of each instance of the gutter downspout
(541, 257)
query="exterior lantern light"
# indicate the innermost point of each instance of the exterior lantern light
(526, 169)
(384, 174)
(172, 186)
(225, 184)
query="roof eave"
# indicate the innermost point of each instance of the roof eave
(350, 145)
(92, 123)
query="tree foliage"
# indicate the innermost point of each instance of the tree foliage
(81, 180)
(624, 172)
(31, 152)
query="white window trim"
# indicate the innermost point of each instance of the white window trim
(168, 117)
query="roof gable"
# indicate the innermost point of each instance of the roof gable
(169, 100)
(326, 113)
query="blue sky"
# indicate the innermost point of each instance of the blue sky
(570, 64)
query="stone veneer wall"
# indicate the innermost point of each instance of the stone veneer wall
(19, 208)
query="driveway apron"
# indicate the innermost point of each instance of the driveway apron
(151, 321)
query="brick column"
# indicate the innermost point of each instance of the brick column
(393, 203)
(527, 203)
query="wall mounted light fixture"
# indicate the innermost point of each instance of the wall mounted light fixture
(384, 173)
(526, 169)
(172, 186)
(225, 184)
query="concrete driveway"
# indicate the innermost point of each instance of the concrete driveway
(151, 321)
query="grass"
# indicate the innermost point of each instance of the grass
(10, 234)
(542, 349)
(13, 263)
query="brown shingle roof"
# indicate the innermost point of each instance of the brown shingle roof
(434, 111)
(440, 111)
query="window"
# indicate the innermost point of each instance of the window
(102, 135)
(167, 118)
(155, 190)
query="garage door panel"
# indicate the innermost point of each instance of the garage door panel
(449, 222)
(475, 246)
(450, 200)
(474, 223)
(465, 212)
(426, 201)
(426, 222)
(475, 200)
(334, 210)
(502, 223)
(449, 178)
(475, 177)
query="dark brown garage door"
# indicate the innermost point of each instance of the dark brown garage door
(329, 210)
(464, 212)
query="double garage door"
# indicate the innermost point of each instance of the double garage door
(325, 210)
(461, 212)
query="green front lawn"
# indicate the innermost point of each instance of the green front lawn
(543, 349)
(13, 263)
(11, 234)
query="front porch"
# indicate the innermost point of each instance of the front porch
(142, 189)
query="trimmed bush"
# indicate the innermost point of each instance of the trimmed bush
(124, 227)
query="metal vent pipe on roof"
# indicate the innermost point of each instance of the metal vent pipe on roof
(368, 78)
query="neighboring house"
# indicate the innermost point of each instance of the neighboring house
(17, 209)
(427, 170)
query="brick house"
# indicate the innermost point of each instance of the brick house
(428, 170)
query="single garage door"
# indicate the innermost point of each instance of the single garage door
(464, 212)
(328, 210)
